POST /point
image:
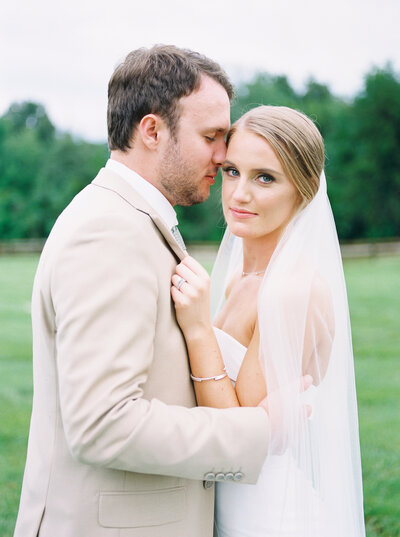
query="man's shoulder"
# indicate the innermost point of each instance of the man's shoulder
(96, 212)
(96, 202)
(99, 214)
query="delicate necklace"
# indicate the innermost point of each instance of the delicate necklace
(256, 273)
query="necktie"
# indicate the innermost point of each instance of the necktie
(178, 237)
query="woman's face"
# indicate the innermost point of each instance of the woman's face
(258, 198)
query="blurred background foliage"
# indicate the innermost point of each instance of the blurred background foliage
(41, 169)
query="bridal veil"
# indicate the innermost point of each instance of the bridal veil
(305, 328)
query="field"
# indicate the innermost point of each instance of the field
(374, 296)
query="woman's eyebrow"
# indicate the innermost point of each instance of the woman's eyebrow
(255, 170)
(266, 170)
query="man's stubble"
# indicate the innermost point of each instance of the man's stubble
(178, 178)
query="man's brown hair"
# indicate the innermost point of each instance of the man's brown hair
(151, 81)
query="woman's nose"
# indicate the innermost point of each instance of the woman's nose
(241, 192)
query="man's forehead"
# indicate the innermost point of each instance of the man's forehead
(213, 125)
(208, 117)
(209, 104)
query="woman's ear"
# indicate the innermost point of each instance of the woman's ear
(149, 130)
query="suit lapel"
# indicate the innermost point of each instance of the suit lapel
(111, 181)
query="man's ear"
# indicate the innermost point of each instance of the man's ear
(149, 130)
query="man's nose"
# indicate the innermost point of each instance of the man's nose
(219, 153)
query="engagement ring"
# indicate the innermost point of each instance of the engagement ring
(180, 283)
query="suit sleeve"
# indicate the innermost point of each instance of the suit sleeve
(105, 333)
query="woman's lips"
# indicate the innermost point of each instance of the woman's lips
(241, 213)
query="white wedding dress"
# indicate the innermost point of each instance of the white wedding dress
(255, 510)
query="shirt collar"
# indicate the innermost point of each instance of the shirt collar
(149, 192)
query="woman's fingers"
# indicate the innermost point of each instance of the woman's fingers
(195, 266)
(176, 296)
(306, 382)
(178, 282)
(193, 273)
(190, 293)
(186, 273)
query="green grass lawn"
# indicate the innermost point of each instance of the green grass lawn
(374, 296)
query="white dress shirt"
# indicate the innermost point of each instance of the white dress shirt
(149, 193)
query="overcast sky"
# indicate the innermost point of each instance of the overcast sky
(62, 54)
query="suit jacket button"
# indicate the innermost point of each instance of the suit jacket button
(238, 476)
(210, 476)
(229, 476)
(208, 484)
(220, 476)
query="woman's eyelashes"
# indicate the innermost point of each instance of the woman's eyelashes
(265, 178)
(230, 171)
(260, 178)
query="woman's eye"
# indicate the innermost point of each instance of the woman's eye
(210, 139)
(231, 172)
(265, 179)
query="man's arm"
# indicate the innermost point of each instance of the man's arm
(105, 335)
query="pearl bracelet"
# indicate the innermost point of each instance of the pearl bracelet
(216, 377)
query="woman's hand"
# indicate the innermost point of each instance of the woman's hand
(191, 295)
(274, 405)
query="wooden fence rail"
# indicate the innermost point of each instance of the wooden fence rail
(206, 252)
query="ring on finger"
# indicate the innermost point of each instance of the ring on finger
(181, 281)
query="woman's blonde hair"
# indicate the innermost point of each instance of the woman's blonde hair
(295, 139)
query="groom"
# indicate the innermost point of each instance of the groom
(117, 446)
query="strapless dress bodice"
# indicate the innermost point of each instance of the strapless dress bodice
(232, 352)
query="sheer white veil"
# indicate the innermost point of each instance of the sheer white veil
(305, 328)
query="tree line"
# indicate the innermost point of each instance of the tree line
(41, 168)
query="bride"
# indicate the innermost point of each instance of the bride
(279, 313)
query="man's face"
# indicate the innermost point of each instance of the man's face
(191, 160)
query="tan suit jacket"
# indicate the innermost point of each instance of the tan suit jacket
(117, 446)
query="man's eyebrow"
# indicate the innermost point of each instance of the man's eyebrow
(217, 129)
